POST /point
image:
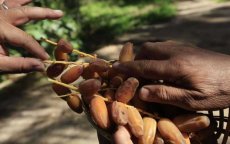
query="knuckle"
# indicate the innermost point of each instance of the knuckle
(193, 104)
(24, 9)
(28, 40)
(145, 67)
(162, 93)
(22, 65)
(180, 65)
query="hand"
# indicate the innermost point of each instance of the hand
(15, 3)
(194, 79)
(9, 33)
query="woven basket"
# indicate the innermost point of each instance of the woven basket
(222, 129)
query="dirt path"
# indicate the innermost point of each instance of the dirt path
(31, 113)
(29, 116)
(202, 22)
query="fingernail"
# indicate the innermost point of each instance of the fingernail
(38, 66)
(58, 12)
(144, 93)
(47, 56)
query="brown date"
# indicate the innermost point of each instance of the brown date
(72, 74)
(169, 131)
(74, 102)
(126, 53)
(60, 55)
(119, 113)
(89, 73)
(64, 46)
(99, 65)
(150, 127)
(191, 122)
(55, 70)
(89, 87)
(126, 90)
(116, 81)
(99, 112)
(60, 90)
(135, 122)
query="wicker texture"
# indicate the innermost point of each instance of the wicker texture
(222, 128)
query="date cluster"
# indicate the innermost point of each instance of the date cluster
(111, 100)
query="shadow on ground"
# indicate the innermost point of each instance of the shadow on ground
(210, 30)
(30, 113)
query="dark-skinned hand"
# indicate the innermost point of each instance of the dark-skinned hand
(194, 78)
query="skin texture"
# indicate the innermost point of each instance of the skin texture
(194, 79)
(17, 15)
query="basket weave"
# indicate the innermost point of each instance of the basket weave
(222, 129)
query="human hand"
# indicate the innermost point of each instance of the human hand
(194, 79)
(15, 3)
(9, 34)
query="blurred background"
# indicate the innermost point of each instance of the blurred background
(29, 110)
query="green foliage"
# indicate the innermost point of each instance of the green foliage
(102, 21)
(67, 27)
(88, 24)
(222, 0)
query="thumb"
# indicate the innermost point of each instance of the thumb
(20, 65)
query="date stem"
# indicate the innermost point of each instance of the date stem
(65, 62)
(49, 41)
(63, 84)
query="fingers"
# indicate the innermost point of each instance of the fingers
(24, 14)
(161, 93)
(23, 2)
(3, 50)
(156, 50)
(149, 69)
(122, 136)
(179, 97)
(16, 3)
(17, 37)
(19, 65)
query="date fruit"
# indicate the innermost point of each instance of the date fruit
(150, 127)
(126, 90)
(135, 122)
(74, 102)
(99, 112)
(119, 113)
(169, 131)
(72, 74)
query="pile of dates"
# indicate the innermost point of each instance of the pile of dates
(113, 103)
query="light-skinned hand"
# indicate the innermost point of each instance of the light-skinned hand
(17, 15)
